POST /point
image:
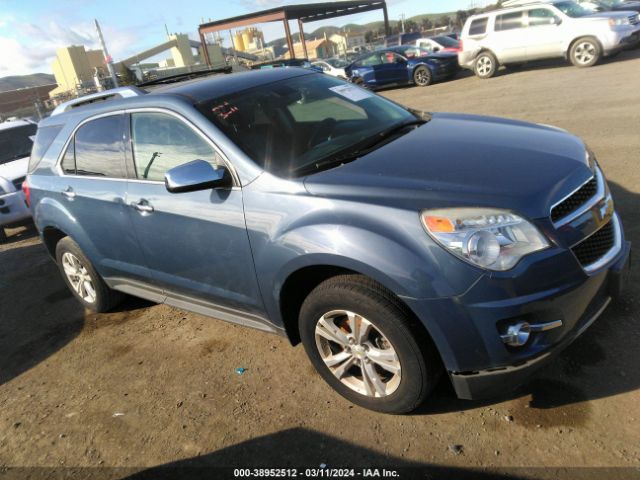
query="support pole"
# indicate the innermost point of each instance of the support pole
(304, 43)
(205, 49)
(292, 53)
(107, 57)
(386, 20)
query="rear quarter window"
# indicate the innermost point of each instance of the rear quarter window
(478, 26)
(44, 139)
(99, 148)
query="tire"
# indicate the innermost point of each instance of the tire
(3, 235)
(94, 293)
(486, 65)
(340, 307)
(422, 76)
(585, 52)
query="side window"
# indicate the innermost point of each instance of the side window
(541, 16)
(99, 148)
(44, 139)
(371, 60)
(69, 159)
(161, 142)
(478, 26)
(509, 21)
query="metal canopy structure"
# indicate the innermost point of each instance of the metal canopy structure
(310, 12)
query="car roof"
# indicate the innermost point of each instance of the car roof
(15, 124)
(199, 90)
(193, 91)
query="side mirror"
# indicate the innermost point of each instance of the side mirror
(436, 49)
(196, 175)
(557, 20)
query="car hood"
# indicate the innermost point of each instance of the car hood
(15, 169)
(610, 14)
(464, 160)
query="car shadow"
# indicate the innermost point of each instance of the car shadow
(21, 233)
(601, 363)
(303, 449)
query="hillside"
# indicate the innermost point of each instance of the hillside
(22, 81)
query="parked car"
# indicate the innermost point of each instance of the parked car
(408, 38)
(15, 148)
(393, 247)
(537, 31)
(402, 65)
(332, 66)
(610, 5)
(291, 62)
(440, 43)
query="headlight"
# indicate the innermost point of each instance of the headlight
(489, 238)
(618, 21)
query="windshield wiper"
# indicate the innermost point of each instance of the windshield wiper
(359, 149)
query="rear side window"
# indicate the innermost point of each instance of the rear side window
(509, 21)
(99, 148)
(478, 26)
(44, 139)
(69, 160)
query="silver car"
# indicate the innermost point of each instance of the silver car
(543, 30)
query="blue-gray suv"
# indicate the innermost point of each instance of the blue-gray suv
(396, 245)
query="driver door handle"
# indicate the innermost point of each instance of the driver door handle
(69, 193)
(142, 206)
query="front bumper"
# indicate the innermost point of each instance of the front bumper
(491, 382)
(620, 38)
(467, 329)
(13, 209)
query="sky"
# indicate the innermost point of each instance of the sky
(32, 30)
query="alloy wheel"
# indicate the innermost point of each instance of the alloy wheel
(78, 277)
(422, 77)
(484, 65)
(585, 52)
(358, 353)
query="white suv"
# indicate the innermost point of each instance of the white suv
(16, 141)
(542, 30)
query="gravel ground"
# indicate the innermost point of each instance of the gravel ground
(151, 385)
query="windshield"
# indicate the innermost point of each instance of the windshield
(611, 3)
(15, 142)
(290, 124)
(336, 62)
(446, 42)
(413, 52)
(572, 9)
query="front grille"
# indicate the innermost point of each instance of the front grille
(575, 201)
(596, 246)
(18, 183)
(633, 19)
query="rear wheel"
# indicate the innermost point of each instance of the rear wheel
(362, 342)
(422, 76)
(82, 279)
(486, 65)
(585, 52)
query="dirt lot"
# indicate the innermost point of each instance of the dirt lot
(150, 385)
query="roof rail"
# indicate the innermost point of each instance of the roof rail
(121, 92)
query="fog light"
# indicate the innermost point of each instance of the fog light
(517, 335)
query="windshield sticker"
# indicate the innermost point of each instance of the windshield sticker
(351, 92)
(224, 110)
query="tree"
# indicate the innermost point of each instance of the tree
(461, 17)
(369, 36)
(427, 24)
(443, 21)
(410, 26)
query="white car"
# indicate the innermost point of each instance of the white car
(332, 66)
(16, 140)
(542, 30)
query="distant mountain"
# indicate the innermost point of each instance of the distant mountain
(22, 81)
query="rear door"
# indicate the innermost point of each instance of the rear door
(392, 69)
(195, 243)
(92, 187)
(509, 39)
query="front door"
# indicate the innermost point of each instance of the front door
(195, 243)
(546, 34)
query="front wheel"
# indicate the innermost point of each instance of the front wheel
(422, 76)
(486, 65)
(82, 279)
(585, 52)
(361, 340)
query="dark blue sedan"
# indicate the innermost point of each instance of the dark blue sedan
(402, 65)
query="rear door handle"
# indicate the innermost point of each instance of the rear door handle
(142, 206)
(69, 193)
